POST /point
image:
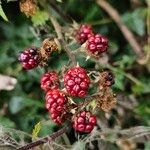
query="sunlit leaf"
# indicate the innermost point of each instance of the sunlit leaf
(36, 130)
(40, 18)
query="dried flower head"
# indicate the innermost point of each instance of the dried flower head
(48, 46)
(28, 7)
(106, 101)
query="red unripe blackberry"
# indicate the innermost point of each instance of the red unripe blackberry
(76, 82)
(84, 121)
(83, 33)
(49, 81)
(29, 58)
(97, 44)
(56, 105)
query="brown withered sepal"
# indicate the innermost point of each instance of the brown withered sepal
(48, 46)
(28, 7)
(107, 100)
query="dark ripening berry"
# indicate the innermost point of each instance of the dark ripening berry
(108, 79)
(83, 33)
(29, 58)
(49, 81)
(84, 122)
(97, 44)
(56, 105)
(76, 82)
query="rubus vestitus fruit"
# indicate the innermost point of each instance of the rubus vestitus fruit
(83, 33)
(56, 104)
(29, 58)
(60, 103)
(49, 81)
(97, 44)
(76, 82)
(84, 121)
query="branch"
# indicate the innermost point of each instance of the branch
(44, 140)
(126, 32)
(61, 14)
(61, 39)
(133, 133)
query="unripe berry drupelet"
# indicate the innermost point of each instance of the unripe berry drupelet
(49, 81)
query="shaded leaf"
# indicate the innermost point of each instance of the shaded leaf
(2, 14)
(135, 21)
(18, 103)
(147, 146)
(6, 122)
(47, 128)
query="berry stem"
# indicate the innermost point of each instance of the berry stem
(62, 41)
(45, 139)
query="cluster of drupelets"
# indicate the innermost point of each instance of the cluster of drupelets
(76, 81)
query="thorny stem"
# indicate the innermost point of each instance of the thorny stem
(65, 17)
(62, 41)
(45, 139)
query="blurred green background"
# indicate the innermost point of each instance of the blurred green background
(23, 107)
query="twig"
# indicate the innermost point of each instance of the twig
(58, 11)
(125, 134)
(126, 32)
(61, 39)
(44, 140)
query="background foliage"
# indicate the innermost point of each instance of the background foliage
(23, 107)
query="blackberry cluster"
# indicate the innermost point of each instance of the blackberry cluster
(95, 43)
(76, 80)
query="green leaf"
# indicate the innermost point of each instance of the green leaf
(7, 122)
(2, 14)
(147, 146)
(119, 81)
(135, 21)
(47, 128)
(40, 18)
(18, 103)
(36, 131)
